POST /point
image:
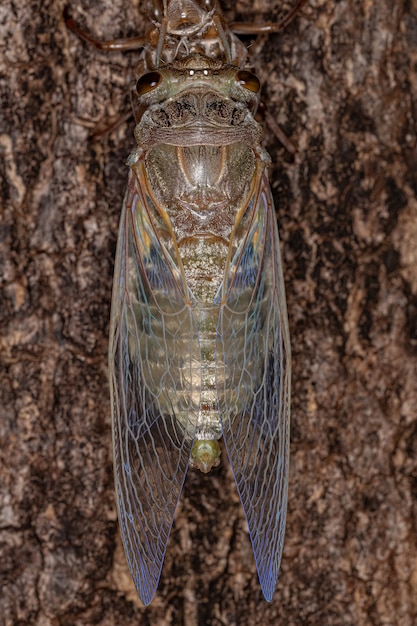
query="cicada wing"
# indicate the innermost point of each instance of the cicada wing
(253, 377)
(154, 380)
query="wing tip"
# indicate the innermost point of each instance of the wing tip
(147, 596)
(146, 589)
(268, 587)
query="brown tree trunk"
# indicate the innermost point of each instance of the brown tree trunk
(341, 82)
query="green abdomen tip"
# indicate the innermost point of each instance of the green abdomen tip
(205, 455)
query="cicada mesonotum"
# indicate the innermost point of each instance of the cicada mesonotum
(199, 342)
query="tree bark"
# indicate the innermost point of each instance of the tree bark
(341, 82)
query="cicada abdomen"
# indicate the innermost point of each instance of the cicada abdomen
(199, 342)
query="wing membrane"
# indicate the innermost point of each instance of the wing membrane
(155, 379)
(253, 356)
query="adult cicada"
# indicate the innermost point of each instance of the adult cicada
(199, 343)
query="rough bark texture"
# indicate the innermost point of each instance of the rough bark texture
(341, 82)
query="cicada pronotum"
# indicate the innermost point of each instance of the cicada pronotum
(199, 343)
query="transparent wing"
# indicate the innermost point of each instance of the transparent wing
(253, 375)
(154, 379)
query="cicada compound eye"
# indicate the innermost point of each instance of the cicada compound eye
(248, 80)
(148, 82)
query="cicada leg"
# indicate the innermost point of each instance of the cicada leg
(277, 130)
(109, 127)
(265, 28)
(112, 45)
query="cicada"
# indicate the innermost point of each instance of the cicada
(199, 343)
